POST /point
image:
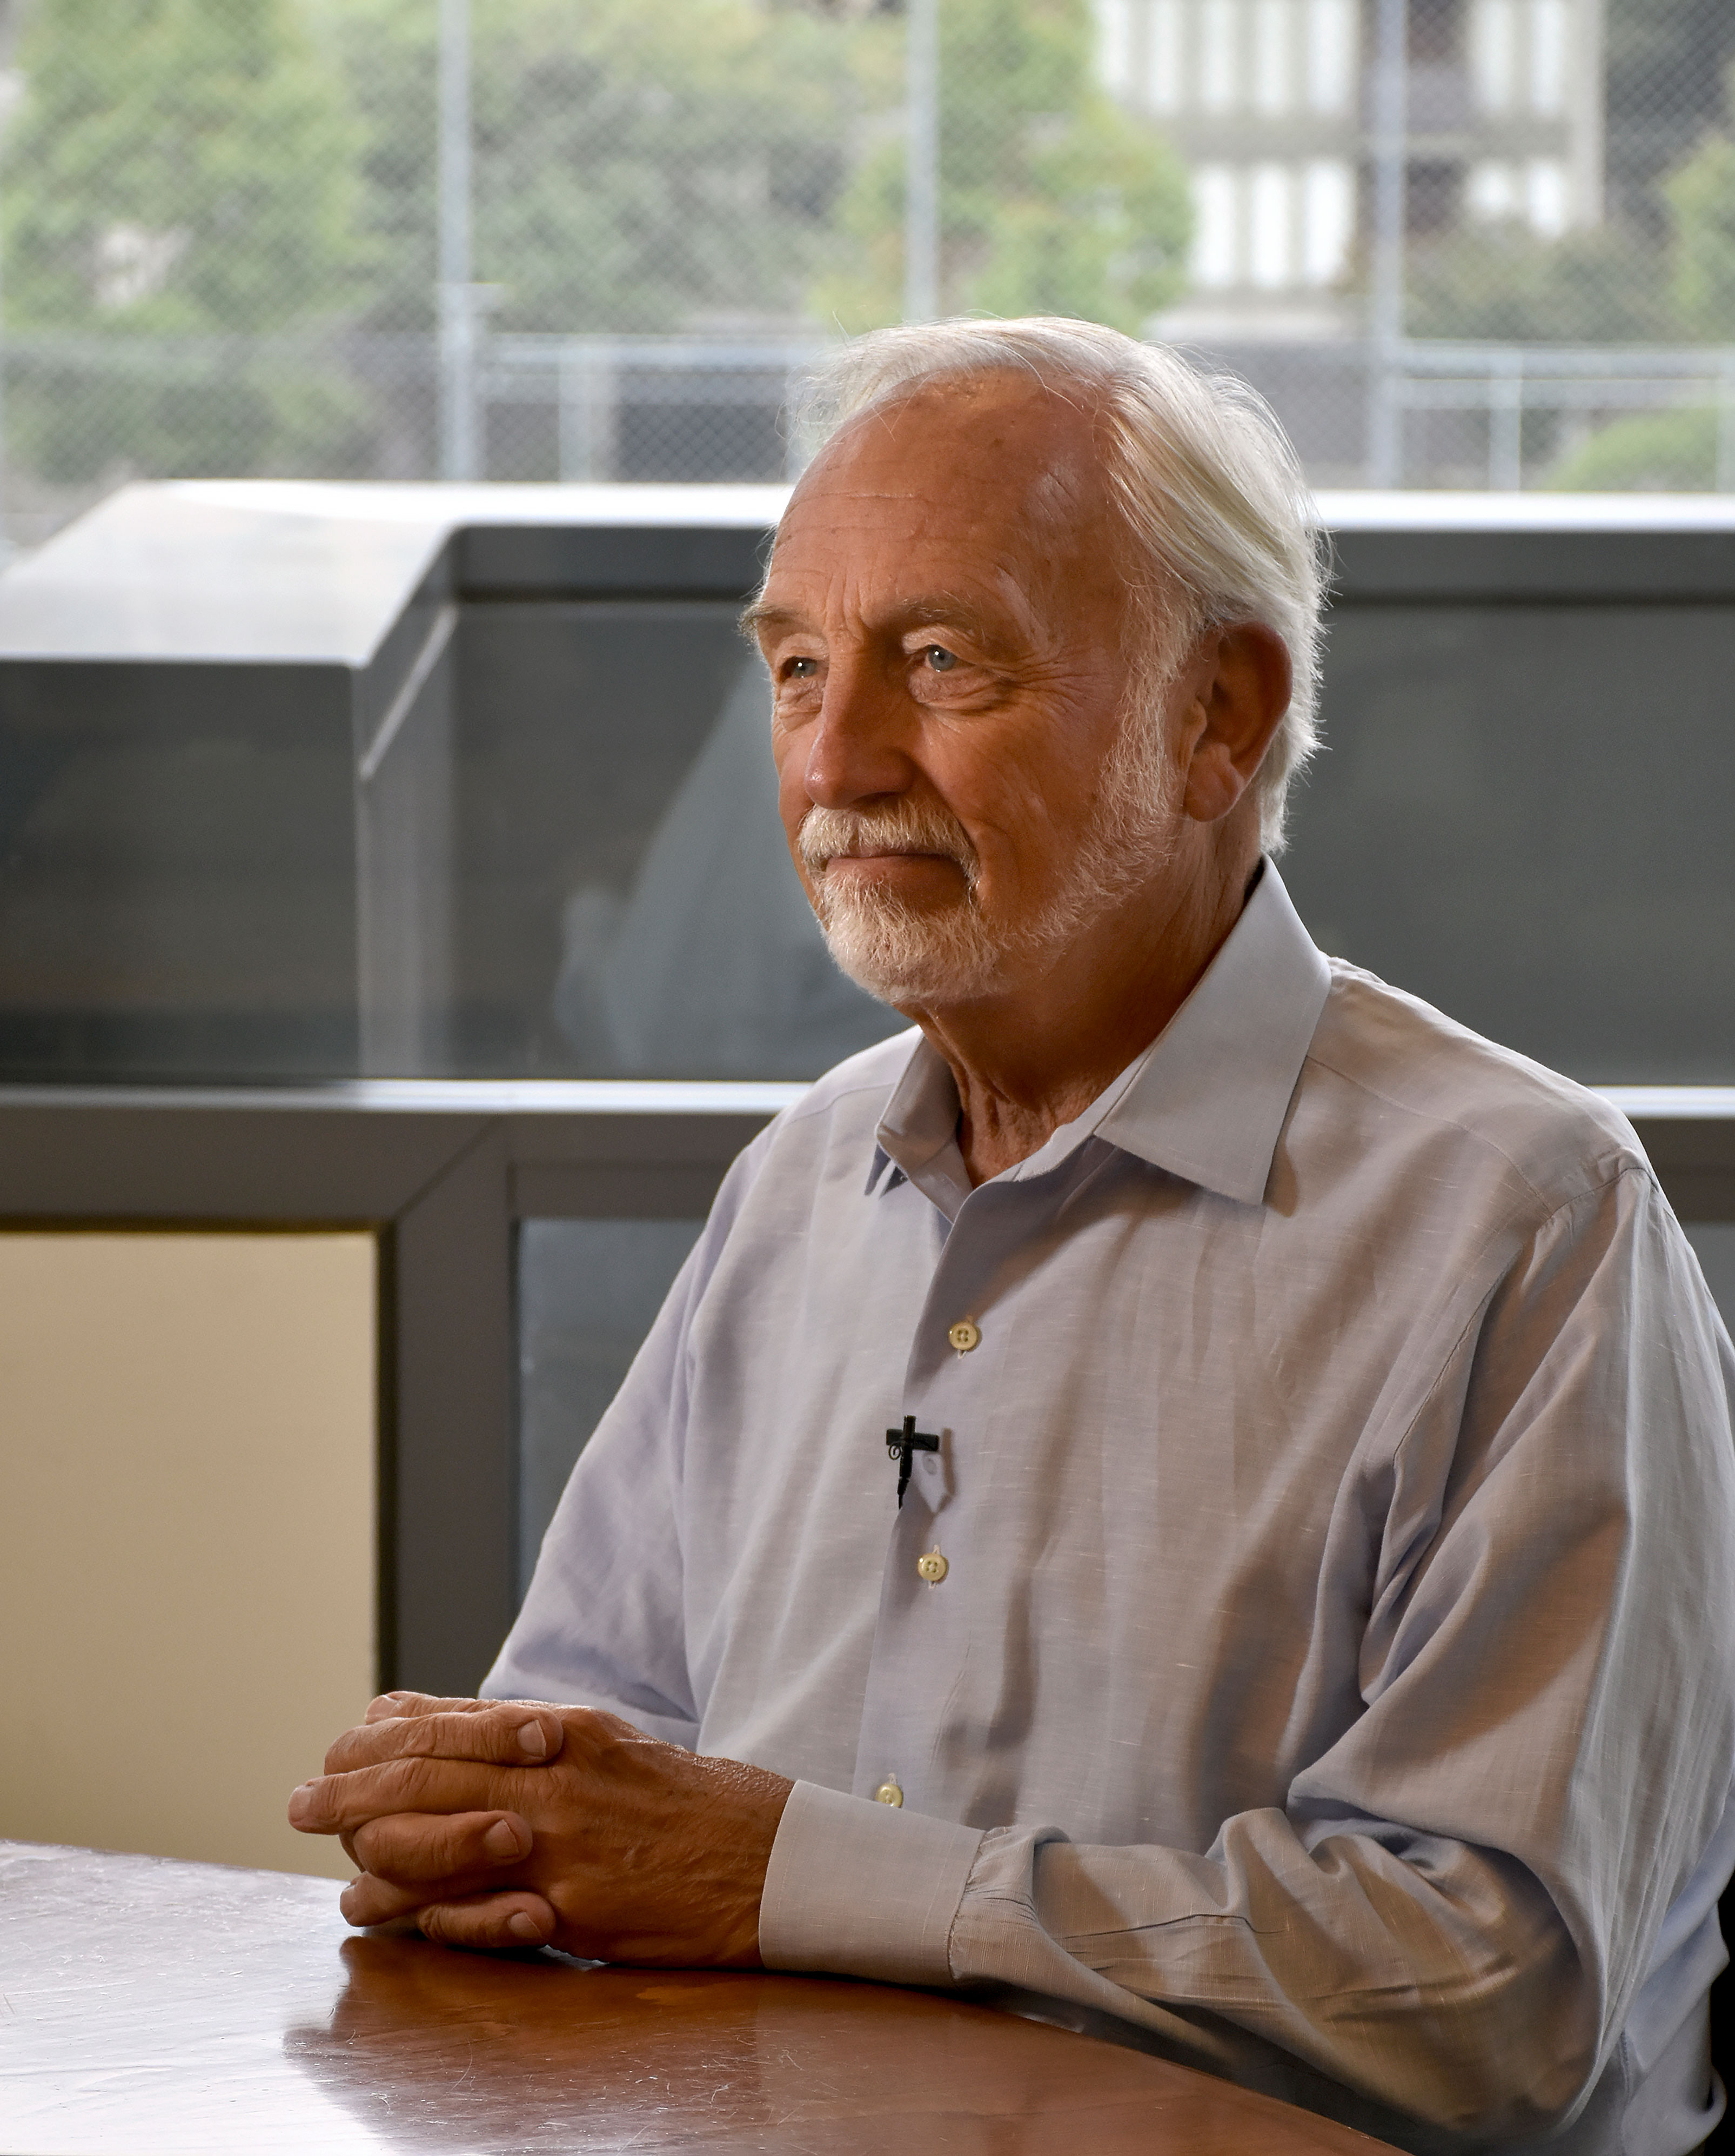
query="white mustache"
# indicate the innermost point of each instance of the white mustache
(830, 834)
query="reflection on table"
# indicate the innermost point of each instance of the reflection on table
(155, 2006)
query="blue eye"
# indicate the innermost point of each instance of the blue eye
(940, 658)
(803, 670)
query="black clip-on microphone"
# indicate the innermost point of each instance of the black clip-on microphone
(901, 1444)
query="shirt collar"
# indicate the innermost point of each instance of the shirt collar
(1206, 1099)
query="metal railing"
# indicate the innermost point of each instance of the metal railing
(1505, 382)
(584, 378)
(573, 407)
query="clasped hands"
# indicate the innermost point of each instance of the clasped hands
(512, 1823)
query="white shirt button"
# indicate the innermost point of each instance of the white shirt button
(888, 1792)
(965, 1335)
(932, 1567)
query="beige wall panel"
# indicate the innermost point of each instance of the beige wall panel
(187, 1535)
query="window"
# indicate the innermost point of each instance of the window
(588, 1291)
(1165, 85)
(1114, 44)
(1331, 55)
(1219, 59)
(1216, 248)
(1273, 68)
(1547, 56)
(1328, 219)
(1492, 191)
(1494, 54)
(1272, 252)
(1545, 196)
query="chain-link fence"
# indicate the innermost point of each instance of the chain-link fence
(1456, 242)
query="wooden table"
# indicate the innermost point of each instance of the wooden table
(146, 2006)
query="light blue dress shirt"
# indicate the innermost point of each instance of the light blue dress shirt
(1329, 1680)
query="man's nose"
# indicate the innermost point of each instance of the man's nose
(860, 748)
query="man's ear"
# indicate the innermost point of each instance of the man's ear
(1237, 692)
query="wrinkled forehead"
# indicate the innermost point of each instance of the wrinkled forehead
(998, 473)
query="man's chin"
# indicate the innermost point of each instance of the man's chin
(914, 964)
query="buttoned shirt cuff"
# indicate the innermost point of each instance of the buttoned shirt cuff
(856, 1888)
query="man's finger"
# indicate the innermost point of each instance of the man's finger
(369, 1901)
(391, 1705)
(504, 1734)
(489, 1920)
(339, 1804)
(388, 1705)
(411, 1848)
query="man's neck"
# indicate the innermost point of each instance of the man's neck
(1035, 1058)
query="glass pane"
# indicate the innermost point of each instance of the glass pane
(566, 860)
(177, 883)
(563, 859)
(1522, 814)
(588, 1291)
(622, 903)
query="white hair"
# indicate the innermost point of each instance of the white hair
(1210, 491)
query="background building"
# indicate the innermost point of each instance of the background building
(1269, 102)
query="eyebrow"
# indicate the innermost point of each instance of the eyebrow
(757, 616)
(937, 610)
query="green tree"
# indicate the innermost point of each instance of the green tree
(1653, 453)
(1702, 196)
(179, 169)
(638, 163)
(1052, 199)
(1678, 452)
(1502, 285)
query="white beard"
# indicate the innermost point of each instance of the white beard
(918, 957)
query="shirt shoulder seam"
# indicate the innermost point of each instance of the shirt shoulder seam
(1630, 1160)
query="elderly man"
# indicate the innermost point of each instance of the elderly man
(1293, 1630)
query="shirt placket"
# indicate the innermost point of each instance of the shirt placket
(935, 1577)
